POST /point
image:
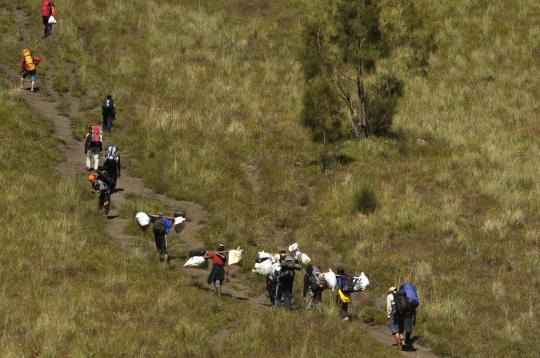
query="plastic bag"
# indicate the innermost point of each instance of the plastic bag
(304, 259)
(143, 220)
(361, 282)
(293, 247)
(330, 279)
(200, 251)
(179, 223)
(264, 268)
(262, 256)
(235, 256)
(195, 261)
(52, 20)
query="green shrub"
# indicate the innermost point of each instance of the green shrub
(365, 200)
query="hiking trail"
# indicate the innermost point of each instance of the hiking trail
(46, 104)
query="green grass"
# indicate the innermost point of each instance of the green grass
(215, 88)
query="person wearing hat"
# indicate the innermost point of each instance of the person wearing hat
(394, 319)
(220, 268)
(161, 226)
(285, 279)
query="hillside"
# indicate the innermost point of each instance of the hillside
(209, 99)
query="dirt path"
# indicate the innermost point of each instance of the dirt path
(47, 105)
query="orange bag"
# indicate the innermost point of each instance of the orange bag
(30, 65)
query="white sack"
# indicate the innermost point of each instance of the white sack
(304, 259)
(235, 256)
(52, 20)
(361, 282)
(265, 268)
(178, 220)
(264, 255)
(143, 219)
(330, 278)
(293, 247)
(195, 261)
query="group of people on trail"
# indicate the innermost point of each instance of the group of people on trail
(105, 169)
(279, 279)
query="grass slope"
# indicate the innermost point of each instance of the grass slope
(214, 87)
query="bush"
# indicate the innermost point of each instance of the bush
(365, 200)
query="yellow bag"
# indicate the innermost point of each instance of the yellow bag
(30, 65)
(344, 297)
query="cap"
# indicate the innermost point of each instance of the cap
(221, 247)
(392, 289)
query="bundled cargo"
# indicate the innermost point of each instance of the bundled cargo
(179, 224)
(263, 256)
(264, 268)
(361, 282)
(197, 252)
(143, 220)
(196, 261)
(330, 278)
(304, 259)
(235, 256)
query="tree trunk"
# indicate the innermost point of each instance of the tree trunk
(362, 120)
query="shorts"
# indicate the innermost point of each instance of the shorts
(32, 75)
(397, 323)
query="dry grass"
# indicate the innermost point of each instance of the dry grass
(214, 87)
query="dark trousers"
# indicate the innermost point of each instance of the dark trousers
(47, 28)
(284, 293)
(271, 289)
(343, 307)
(161, 242)
(107, 120)
(104, 200)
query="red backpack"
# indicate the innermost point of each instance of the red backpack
(96, 134)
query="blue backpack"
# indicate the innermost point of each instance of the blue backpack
(411, 293)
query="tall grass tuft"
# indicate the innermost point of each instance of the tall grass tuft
(365, 200)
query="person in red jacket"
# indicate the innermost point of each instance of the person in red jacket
(47, 10)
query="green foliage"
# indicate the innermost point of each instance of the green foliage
(322, 111)
(365, 200)
(382, 100)
(342, 50)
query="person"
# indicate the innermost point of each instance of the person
(410, 318)
(161, 226)
(112, 164)
(271, 283)
(343, 298)
(47, 10)
(93, 145)
(26, 71)
(108, 112)
(102, 185)
(285, 281)
(220, 268)
(395, 314)
(313, 286)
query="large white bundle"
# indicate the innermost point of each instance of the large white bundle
(235, 256)
(304, 259)
(330, 279)
(261, 256)
(178, 220)
(195, 261)
(293, 247)
(361, 282)
(264, 268)
(179, 223)
(143, 219)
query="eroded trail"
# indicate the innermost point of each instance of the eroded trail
(48, 104)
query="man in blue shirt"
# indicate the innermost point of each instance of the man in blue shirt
(161, 229)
